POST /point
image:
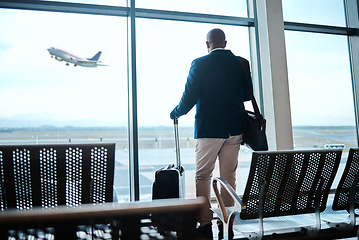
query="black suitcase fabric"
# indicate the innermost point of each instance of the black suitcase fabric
(169, 181)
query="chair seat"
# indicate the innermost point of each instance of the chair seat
(339, 219)
(275, 225)
(272, 225)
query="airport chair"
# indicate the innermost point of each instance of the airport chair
(342, 215)
(53, 175)
(284, 189)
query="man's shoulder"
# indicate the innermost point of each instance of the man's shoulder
(203, 58)
(242, 59)
(200, 61)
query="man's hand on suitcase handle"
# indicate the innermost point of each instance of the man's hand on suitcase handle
(175, 118)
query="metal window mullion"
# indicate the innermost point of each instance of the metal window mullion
(351, 14)
(132, 104)
(65, 7)
(255, 54)
(193, 17)
(81, 8)
(315, 28)
(69, 7)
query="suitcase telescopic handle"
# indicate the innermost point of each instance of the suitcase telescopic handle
(178, 157)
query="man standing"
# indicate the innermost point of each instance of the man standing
(218, 86)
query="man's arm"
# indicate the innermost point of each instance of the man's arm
(248, 80)
(190, 94)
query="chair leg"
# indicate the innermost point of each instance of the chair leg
(228, 228)
(262, 196)
(351, 202)
(318, 196)
(225, 231)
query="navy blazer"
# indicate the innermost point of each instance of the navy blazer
(218, 86)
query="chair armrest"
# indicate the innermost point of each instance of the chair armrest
(239, 205)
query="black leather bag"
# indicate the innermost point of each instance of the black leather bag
(254, 135)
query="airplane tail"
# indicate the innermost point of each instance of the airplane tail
(96, 57)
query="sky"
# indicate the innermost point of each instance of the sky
(32, 82)
(33, 85)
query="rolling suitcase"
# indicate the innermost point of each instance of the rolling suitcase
(170, 181)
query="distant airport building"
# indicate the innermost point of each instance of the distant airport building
(334, 146)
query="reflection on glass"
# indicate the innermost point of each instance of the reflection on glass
(44, 101)
(325, 12)
(236, 8)
(164, 56)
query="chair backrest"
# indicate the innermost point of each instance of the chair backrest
(350, 173)
(293, 180)
(105, 221)
(53, 175)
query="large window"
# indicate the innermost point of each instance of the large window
(164, 56)
(320, 81)
(46, 101)
(321, 90)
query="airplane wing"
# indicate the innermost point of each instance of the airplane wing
(86, 61)
(101, 64)
(91, 63)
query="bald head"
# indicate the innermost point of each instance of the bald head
(216, 39)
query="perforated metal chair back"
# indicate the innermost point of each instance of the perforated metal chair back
(52, 175)
(348, 182)
(293, 178)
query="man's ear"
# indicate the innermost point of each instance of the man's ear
(207, 43)
(225, 44)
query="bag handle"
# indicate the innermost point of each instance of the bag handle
(250, 88)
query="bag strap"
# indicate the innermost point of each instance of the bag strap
(250, 88)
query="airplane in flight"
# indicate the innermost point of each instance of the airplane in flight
(61, 55)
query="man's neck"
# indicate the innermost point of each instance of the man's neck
(215, 49)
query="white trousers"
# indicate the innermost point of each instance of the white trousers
(207, 151)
